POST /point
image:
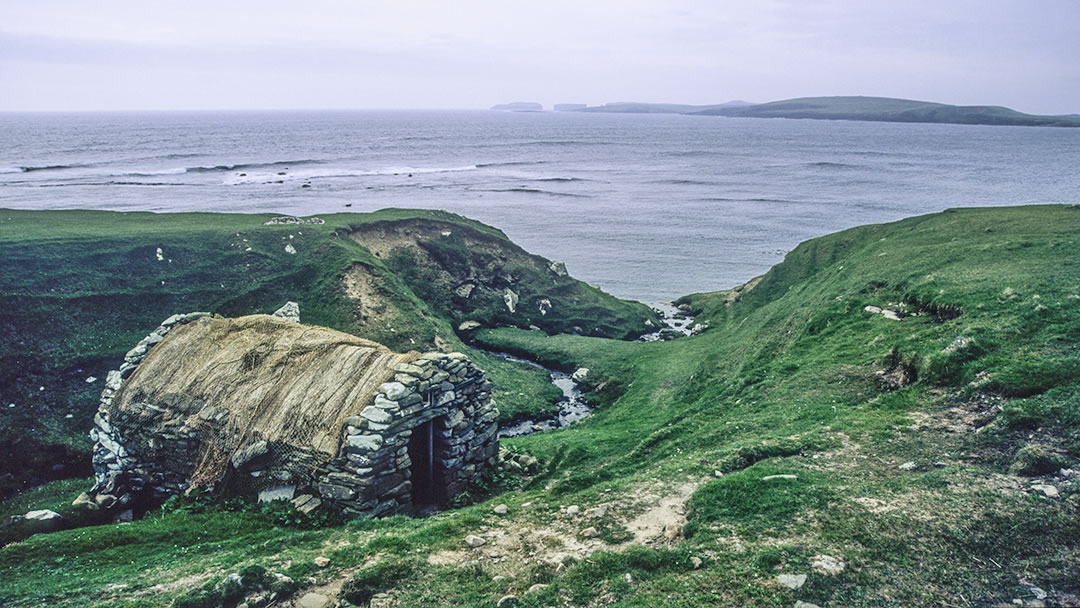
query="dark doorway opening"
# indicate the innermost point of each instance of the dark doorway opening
(428, 485)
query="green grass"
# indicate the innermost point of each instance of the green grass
(784, 382)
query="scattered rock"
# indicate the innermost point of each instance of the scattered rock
(381, 600)
(85, 501)
(580, 374)
(908, 466)
(160, 255)
(628, 578)
(718, 473)
(599, 512)
(573, 510)
(508, 601)
(827, 564)
(474, 541)
(289, 219)
(468, 325)
(321, 562)
(1048, 490)
(91, 380)
(290, 249)
(510, 299)
(802, 604)
(590, 532)
(558, 268)
(290, 311)
(537, 588)
(791, 581)
(544, 306)
(45, 520)
(696, 562)
(957, 344)
(772, 477)
(671, 532)
(313, 600)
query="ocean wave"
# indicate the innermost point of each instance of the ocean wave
(830, 165)
(683, 182)
(559, 179)
(524, 190)
(12, 170)
(510, 163)
(31, 169)
(335, 172)
(722, 199)
(286, 164)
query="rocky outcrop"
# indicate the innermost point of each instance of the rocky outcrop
(265, 406)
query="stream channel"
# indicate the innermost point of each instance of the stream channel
(573, 406)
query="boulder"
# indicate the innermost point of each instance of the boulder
(44, 520)
(290, 311)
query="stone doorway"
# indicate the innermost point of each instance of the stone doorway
(427, 472)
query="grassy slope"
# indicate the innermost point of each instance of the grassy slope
(78, 288)
(782, 383)
(891, 110)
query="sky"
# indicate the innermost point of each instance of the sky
(315, 54)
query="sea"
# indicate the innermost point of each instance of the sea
(645, 206)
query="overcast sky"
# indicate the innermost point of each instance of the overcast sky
(231, 54)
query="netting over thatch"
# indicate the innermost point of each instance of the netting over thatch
(256, 378)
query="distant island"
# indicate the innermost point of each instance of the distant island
(519, 106)
(878, 109)
(569, 107)
(633, 107)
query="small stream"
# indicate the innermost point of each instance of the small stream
(573, 406)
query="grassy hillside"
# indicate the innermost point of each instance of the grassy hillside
(79, 288)
(922, 453)
(886, 109)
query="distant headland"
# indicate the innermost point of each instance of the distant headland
(877, 109)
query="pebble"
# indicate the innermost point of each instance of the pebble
(538, 587)
(508, 601)
(474, 541)
(573, 510)
(772, 477)
(501, 509)
(590, 532)
(908, 466)
(801, 604)
(321, 562)
(696, 562)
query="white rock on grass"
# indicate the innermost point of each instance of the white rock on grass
(313, 600)
(802, 604)
(474, 541)
(791, 581)
(501, 509)
(774, 477)
(827, 564)
(290, 249)
(573, 510)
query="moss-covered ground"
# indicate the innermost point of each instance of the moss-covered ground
(925, 454)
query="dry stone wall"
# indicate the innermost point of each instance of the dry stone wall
(372, 474)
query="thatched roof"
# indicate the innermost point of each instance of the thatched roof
(279, 380)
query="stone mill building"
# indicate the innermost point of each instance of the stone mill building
(265, 406)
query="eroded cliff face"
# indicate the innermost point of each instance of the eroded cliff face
(261, 405)
(479, 280)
